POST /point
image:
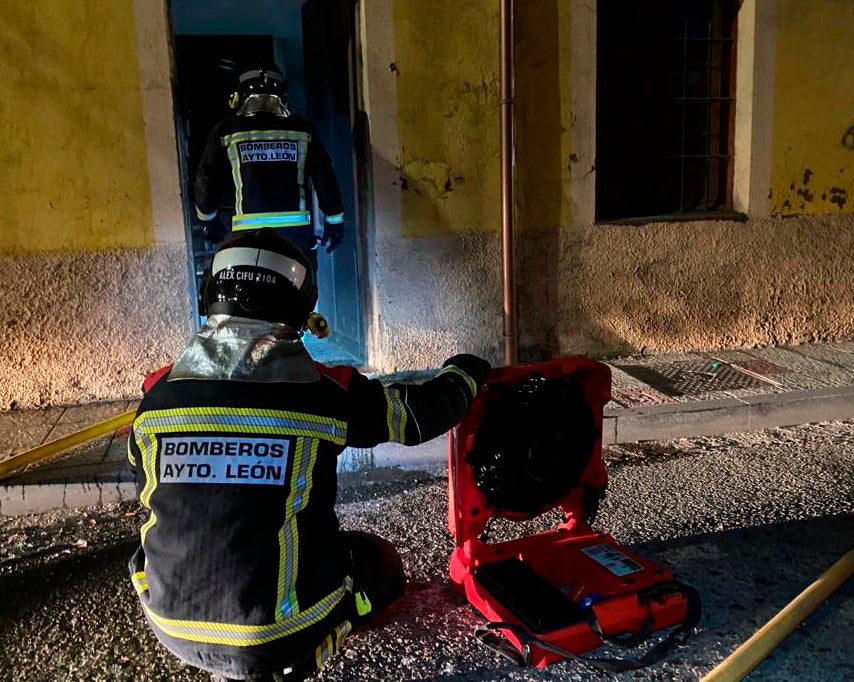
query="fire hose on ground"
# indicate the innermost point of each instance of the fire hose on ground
(771, 635)
(40, 453)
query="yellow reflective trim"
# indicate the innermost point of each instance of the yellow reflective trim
(232, 419)
(237, 412)
(395, 415)
(246, 635)
(329, 645)
(452, 369)
(143, 531)
(148, 448)
(281, 596)
(302, 479)
(244, 411)
(131, 456)
(341, 631)
(327, 648)
(363, 603)
(140, 582)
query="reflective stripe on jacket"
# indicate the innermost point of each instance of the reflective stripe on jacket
(263, 164)
(240, 561)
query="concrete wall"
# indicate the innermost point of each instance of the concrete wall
(432, 80)
(92, 249)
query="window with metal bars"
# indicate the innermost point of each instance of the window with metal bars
(665, 86)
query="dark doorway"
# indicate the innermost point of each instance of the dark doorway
(311, 41)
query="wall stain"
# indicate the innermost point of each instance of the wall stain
(805, 194)
(834, 195)
(432, 186)
(839, 196)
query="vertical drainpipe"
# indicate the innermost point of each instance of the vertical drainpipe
(508, 208)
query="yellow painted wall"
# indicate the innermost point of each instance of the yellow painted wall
(446, 66)
(813, 163)
(448, 87)
(543, 114)
(73, 171)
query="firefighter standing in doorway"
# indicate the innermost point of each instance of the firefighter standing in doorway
(262, 159)
(243, 570)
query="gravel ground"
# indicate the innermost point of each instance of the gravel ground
(750, 519)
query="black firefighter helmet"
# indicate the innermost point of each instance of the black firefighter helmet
(259, 275)
(261, 78)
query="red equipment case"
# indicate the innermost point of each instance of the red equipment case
(613, 594)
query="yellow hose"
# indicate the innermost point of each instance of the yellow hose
(41, 452)
(769, 636)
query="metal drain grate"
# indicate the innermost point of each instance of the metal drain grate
(694, 377)
(634, 397)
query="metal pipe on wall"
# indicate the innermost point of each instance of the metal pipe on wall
(508, 207)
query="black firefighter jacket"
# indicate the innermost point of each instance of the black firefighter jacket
(240, 567)
(264, 162)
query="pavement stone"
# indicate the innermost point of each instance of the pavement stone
(735, 390)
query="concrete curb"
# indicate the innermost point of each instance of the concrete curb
(35, 498)
(710, 417)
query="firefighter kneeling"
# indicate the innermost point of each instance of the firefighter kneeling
(242, 569)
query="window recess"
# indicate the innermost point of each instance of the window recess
(665, 109)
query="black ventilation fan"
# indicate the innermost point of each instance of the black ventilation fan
(533, 444)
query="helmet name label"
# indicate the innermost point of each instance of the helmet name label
(245, 276)
(279, 150)
(212, 459)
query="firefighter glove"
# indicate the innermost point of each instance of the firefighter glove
(477, 368)
(332, 237)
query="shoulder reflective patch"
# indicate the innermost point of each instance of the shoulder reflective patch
(224, 459)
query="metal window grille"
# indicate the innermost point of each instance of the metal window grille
(665, 105)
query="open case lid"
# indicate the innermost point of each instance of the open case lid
(585, 388)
